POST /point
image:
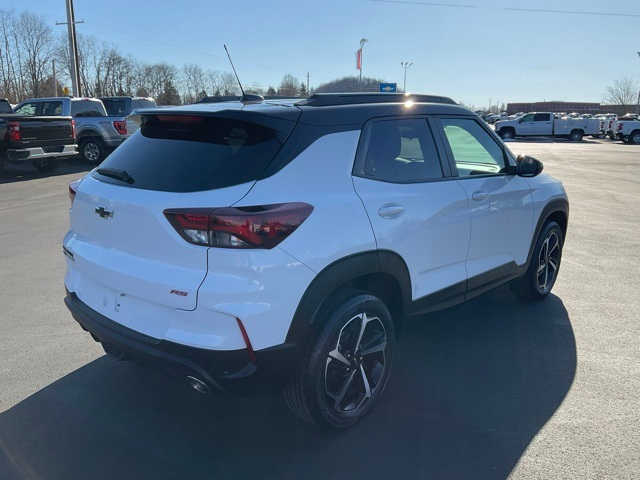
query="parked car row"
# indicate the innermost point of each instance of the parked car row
(99, 126)
(42, 141)
(571, 126)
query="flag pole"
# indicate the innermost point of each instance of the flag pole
(362, 42)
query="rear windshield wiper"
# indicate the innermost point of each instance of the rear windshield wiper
(121, 175)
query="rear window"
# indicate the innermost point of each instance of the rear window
(115, 107)
(143, 103)
(192, 153)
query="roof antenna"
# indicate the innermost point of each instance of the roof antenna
(250, 98)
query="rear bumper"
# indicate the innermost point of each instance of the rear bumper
(224, 371)
(40, 153)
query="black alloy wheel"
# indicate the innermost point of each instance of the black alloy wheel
(538, 280)
(347, 364)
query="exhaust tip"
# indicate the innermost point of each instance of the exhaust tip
(198, 385)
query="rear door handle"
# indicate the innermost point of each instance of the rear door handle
(480, 195)
(391, 211)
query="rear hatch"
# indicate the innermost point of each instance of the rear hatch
(121, 241)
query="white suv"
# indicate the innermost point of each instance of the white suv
(259, 246)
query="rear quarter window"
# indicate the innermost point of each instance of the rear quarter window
(202, 153)
(88, 108)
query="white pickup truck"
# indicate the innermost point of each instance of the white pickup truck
(628, 130)
(544, 124)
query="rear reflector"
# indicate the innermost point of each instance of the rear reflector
(263, 226)
(245, 337)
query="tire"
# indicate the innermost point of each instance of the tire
(46, 165)
(576, 135)
(507, 134)
(538, 280)
(338, 379)
(634, 138)
(92, 150)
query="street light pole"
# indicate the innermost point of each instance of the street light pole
(405, 65)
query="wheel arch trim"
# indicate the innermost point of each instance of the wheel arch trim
(556, 210)
(342, 273)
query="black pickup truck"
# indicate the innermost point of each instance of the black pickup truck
(39, 140)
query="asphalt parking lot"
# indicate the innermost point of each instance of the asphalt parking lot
(494, 388)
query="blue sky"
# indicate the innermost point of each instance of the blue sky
(471, 50)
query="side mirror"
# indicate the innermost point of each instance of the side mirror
(527, 166)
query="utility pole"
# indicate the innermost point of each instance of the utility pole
(73, 48)
(405, 65)
(55, 82)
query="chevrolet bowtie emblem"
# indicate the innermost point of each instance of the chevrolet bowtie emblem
(103, 212)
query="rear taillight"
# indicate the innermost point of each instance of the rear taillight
(262, 226)
(120, 126)
(73, 128)
(73, 189)
(14, 131)
(620, 126)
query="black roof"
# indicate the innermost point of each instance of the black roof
(328, 99)
(326, 108)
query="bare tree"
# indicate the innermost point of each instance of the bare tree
(289, 86)
(623, 92)
(229, 84)
(35, 40)
(9, 57)
(194, 82)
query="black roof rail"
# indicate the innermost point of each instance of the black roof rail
(247, 98)
(331, 99)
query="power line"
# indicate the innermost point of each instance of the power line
(532, 10)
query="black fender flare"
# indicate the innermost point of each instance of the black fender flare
(342, 273)
(554, 207)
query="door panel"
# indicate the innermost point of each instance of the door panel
(500, 203)
(413, 209)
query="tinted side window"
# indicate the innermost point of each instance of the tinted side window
(527, 118)
(189, 154)
(402, 151)
(475, 151)
(87, 108)
(541, 117)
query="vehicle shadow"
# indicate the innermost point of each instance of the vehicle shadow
(20, 172)
(471, 387)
